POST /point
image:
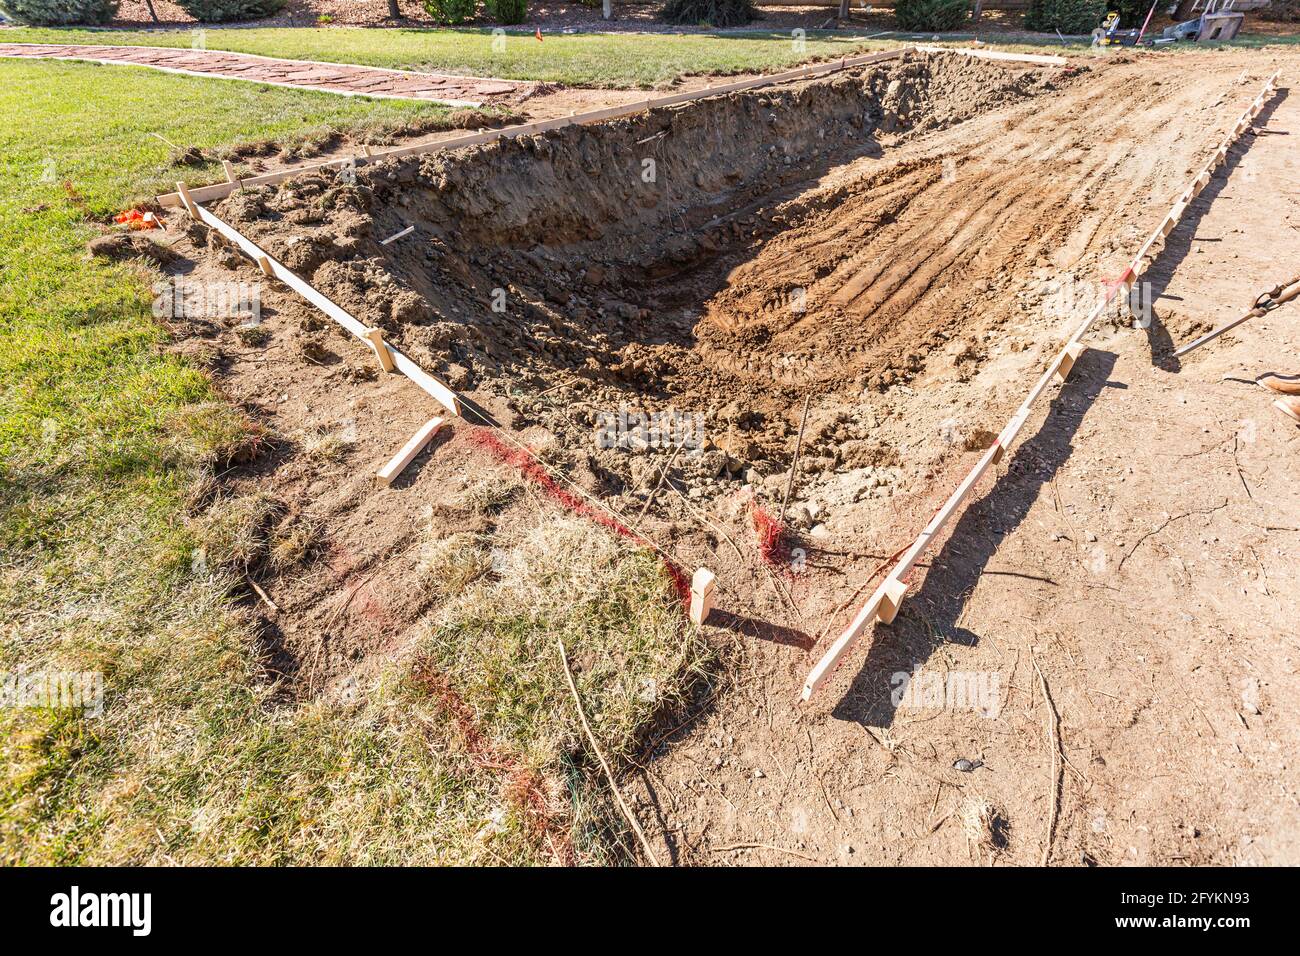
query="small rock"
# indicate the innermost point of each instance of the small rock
(966, 766)
(1250, 701)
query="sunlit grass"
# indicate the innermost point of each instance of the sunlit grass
(584, 59)
(200, 755)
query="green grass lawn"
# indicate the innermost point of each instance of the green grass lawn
(105, 440)
(599, 60)
(596, 60)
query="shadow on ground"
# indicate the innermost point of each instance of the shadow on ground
(1178, 244)
(929, 618)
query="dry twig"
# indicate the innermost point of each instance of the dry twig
(794, 465)
(604, 764)
(1058, 756)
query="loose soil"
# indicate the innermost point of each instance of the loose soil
(893, 245)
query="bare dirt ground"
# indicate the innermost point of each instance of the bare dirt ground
(894, 247)
(1134, 550)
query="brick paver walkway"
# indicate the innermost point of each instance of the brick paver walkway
(342, 78)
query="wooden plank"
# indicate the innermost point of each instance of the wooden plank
(889, 588)
(1042, 58)
(397, 464)
(435, 386)
(430, 383)
(823, 668)
(222, 190)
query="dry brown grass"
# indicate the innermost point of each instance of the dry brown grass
(985, 824)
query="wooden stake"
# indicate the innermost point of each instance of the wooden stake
(794, 465)
(229, 167)
(604, 764)
(397, 235)
(894, 592)
(413, 447)
(1068, 358)
(264, 264)
(376, 338)
(703, 585)
(190, 206)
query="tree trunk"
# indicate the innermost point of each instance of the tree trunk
(394, 11)
(608, 9)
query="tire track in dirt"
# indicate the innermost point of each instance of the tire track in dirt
(914, 249)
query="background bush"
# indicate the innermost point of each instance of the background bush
(450, 12)
(717, 13)
(1069, 16)
(221, 11)
(60, 12)
(1282, 11)
(1133, 12)
(930, 15)
(507, 11)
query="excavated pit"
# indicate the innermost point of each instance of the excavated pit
(722, 257)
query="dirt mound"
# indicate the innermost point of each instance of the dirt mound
(847, 236)
(1108, 538)
(586, 253)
